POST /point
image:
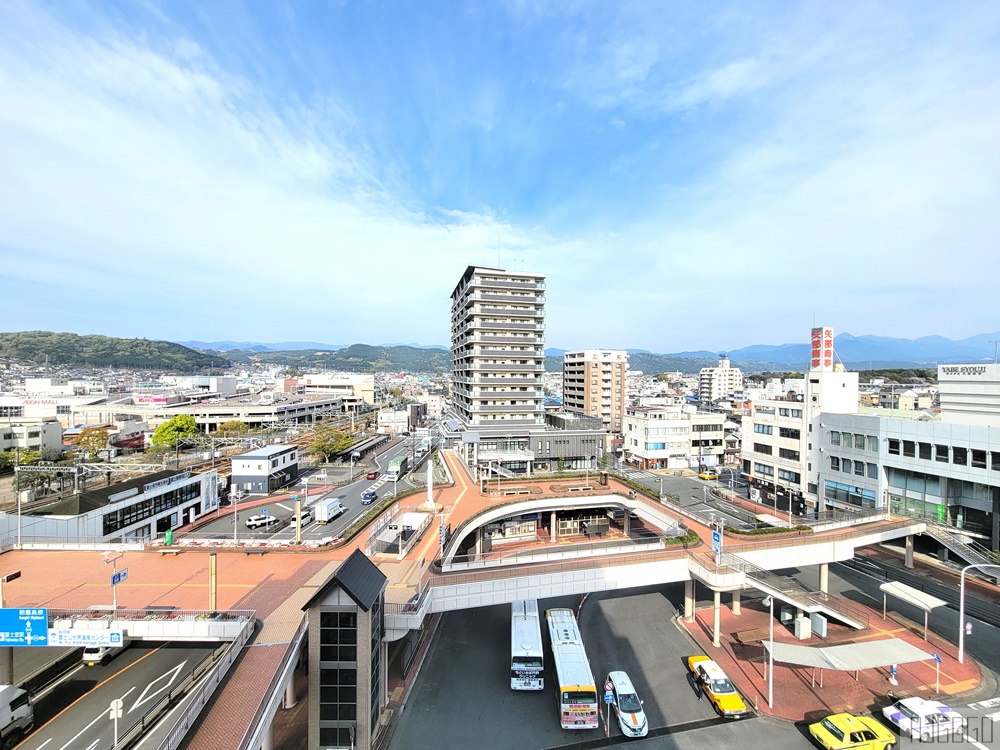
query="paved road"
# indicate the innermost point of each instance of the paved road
(75, 714)
(284, 509)
(695, 497)
(462, 696)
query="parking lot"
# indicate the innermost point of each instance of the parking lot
(462, 698)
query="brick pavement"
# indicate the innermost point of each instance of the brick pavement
(799, 694)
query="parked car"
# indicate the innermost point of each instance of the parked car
(628, 707)
(255, 522)
(368, 497)
(719, 688)
(841, 731)
(925, 719)
(371, 475)
(709, 474)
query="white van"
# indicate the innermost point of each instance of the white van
(100, 655)
(628, 707)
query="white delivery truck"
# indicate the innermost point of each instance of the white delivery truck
(327, 510)
(17, 714)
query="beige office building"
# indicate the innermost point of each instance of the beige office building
(594, 383)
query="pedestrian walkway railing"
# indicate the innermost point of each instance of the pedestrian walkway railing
(796, 592)
(963, 545)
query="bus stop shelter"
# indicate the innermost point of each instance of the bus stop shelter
(848, 657)
(915, 597)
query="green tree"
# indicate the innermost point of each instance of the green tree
(92, 439)
(177, 428)
(328, 441)
(232, 428)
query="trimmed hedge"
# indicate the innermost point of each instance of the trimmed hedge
(763, 531)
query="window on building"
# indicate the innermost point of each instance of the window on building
(871, 443)
(834, 438)
(909, 449)
(893, 447)
(789, 454)
(834, 463)
(924, 451)
(872, 471)
(763, 429)
(846, 465)
(789, 476)
(859, 442)
(788, 432)
(762, 448)
(978, 459)
(797, 413)
(995, 460)
(764, 470)
(941, 453)
(859, 468)
(783, 412)
(960, 456)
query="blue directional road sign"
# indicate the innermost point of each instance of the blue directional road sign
(120, 576)
(263, 512)
(609, 698)
(24, 626)
(716, 541)
(935, 657)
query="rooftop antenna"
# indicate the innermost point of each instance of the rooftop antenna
(994, 342)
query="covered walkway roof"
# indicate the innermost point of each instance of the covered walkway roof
(910, 595)
(849, 657)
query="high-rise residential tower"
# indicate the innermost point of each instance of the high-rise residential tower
(498, 348)
(594, 383)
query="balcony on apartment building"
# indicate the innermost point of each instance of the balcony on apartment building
(529, 299)
(507, 408)
(513, 312)
(507, 367)
(477, 282)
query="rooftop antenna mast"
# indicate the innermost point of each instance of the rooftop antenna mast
(995, 342)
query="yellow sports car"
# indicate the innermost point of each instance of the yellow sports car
(840, 731)
(718, 687)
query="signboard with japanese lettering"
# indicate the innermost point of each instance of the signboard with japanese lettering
(822, 350)
(74, 637)
(24, 626)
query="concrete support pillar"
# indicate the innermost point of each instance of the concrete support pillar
(628, 518)
(689, 600)
(267, 741)
(717, 610)
(553, 529)
(7, 666)
(909, 551)
(824, 577)
(995, 525)
(942, 553)
(479, 542)
(290, 699)
(736, 602)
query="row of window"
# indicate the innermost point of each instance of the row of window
(854, 440)
(136, 512)
(954, 454)
(851, 495)
(858, 468)
(785, 432)
(767, 471)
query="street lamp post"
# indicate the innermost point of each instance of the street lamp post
(770, 656)
(961, 608)
(354, 457)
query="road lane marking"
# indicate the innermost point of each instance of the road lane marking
(102, 715)
(143, 697)
(98, 685)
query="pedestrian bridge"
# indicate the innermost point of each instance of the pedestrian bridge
(565, 571)
(73, 627)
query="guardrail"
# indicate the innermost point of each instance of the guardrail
(211, 672)
(521, 557)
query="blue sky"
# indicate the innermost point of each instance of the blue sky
(689, 175)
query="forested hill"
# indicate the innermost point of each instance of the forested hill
(103, 351)
(354, 358)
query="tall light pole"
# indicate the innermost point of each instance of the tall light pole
(770, 657)
(354, 457)
(961, 609)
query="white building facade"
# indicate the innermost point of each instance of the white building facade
(720, 382)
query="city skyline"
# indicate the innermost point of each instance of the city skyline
(324, 173)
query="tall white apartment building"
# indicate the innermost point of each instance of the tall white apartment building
(594, 383)
(497, 348)
(723, 381)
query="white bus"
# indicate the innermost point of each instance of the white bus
(526, 659)
(575, 685)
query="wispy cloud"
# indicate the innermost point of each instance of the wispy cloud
(688, 179)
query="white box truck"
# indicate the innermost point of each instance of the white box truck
(17, 714)
(327, 510)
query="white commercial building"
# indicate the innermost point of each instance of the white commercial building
(671, 437)
(355, 389)
(44, 436)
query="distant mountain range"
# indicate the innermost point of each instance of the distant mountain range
(866, 352)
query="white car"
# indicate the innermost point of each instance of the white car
(628, 707)
(255, 522)
(925, 719)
